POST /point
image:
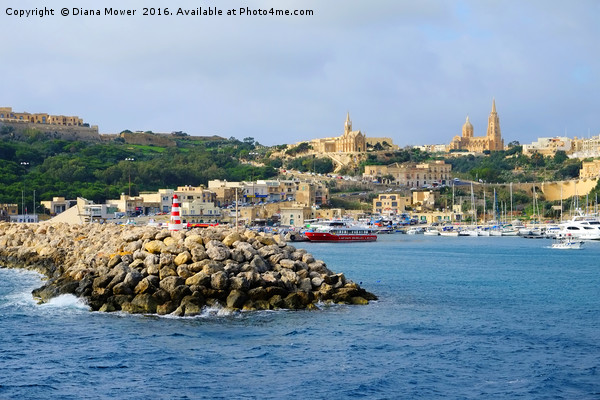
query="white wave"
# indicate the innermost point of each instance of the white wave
(67, 301)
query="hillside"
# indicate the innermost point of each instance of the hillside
(99, 171)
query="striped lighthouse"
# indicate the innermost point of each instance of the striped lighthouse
(175, 223)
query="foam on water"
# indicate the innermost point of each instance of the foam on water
(67, 301)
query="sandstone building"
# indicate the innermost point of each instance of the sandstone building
(548, 146)
(491, 142)
(411, 174)
(350, 142)
(8, 115)
(590, 169)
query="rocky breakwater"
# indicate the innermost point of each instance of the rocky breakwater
(147, 270)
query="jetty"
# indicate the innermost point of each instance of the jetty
(156, 271)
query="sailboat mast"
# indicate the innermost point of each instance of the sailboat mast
(483, 218)
(511, 211)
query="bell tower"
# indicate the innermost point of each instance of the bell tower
(347, 124)
(493, 130)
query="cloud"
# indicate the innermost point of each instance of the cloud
(404, 69)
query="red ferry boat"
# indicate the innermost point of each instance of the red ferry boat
(339, 231)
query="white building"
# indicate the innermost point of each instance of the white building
(548, 146)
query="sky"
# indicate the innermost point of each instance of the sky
(408, 70)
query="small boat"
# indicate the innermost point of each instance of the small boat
(449, 233)
(482, 232)
(431, 232)
(414, 231)
(567, 242)
(468, 232)
(510, 232)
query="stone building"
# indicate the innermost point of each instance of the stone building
(390, 204)
(548, 146)
(491, 142)
(411, 174)
(585, 148)
(590, 169)
(7, 114)
(350, 142)
(7, 211)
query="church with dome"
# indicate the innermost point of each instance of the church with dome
(492, 141)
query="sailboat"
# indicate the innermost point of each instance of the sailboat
(510, 230)
(471, 231)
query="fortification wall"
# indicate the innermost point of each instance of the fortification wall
(554, 191)
(148, 139)
(71, 133)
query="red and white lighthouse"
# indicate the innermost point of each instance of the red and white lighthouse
(175, 223)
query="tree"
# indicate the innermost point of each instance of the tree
(537, 160)
(560, 157)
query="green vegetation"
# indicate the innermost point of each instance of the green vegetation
(336, 202)
(311, 164)
(301, 148)
(101, 171)
(400, 156)
(513, 166)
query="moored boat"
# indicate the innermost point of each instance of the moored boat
(340, 231)
(431, 232)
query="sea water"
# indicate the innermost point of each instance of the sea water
(457, 318)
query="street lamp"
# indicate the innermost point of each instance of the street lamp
(130, 159)
(25, 164)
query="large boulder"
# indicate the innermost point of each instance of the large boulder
(171, 282)
(199, 279)
(219, 280)
(230, 239)
(154, 246)
(236, 299)
(183, 258)
(142, 303)
(217, 250)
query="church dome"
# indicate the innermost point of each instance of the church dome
(467, 128)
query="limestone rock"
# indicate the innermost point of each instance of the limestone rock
(198, 279)
(142, 303)
(232, 238)
(219, 280)
(217, 250)
(169, 283)
(154, 247)
(183, 258)
(236, 299)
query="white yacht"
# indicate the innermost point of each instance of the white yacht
(582, 227)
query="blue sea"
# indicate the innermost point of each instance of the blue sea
(457, 318)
